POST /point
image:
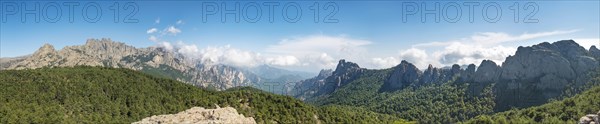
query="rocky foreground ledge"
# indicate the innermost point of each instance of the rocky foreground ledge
(590, 119)
(199, 115)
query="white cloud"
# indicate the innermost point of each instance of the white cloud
(229, 56)
(283, 60)
(416, 56)
(166, 45)
(492, 38)
(384, 62)
(172, 30)
(322, 51)
(151, 30)
(188, 50)
(316, 44)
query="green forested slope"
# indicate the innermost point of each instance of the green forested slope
(107, 95)
(568, 110)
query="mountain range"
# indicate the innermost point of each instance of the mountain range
(153, 60)
(534, 75)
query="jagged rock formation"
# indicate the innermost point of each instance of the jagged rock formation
(532, 76)
(487, 71)
(327, 81)
(403, 75)
(590, 119)
(199, 115)
(594, 52)
(154, 60)
(343, 74)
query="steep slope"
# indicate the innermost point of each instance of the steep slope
(153, 60)
(107, 95)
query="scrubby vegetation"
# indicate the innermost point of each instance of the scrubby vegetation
(568, 110)
(107, 95)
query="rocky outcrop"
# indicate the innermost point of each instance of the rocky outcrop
(198, 115)
(594, 52)
(7, 62)
(469, 74)
(344, 73)
(541, 72)
(404, 74)
(590, 119)
(155, 60)
(487, 72)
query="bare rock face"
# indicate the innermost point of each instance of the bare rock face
(404, 74)
(487, 72)
(199, 115)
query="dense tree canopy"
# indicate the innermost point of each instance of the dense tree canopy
(107, 95)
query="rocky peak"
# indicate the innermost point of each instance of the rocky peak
(199, 115)
(344, 66)
(468, 74)
(404, 74)
(45, 49)
(570, 48)
(455, 69)
(344, 73)
(594, 52)
(487, 72)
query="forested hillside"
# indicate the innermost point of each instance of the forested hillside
(436, 103)
(564, 111)
(107, 95)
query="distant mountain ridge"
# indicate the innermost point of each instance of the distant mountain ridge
(153, 60)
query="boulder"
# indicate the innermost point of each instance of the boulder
(199, 115)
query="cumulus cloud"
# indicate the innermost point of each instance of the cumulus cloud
(151, 30)
(282, 60)
(166, 45)
(321, 50)
(230, 56)
(172, 30)
(416, 56)
(384, 62)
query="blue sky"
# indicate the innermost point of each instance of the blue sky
(371, 33)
